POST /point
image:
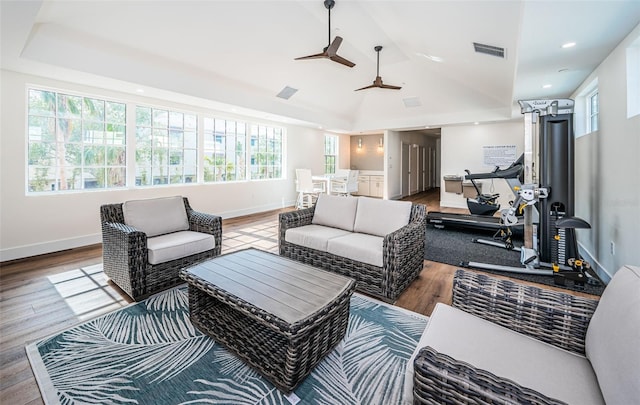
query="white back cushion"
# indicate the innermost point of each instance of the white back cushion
(156, 216)
(335, 211)
(381, 217)
(612, 343)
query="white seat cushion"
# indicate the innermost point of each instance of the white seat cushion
(335, 211)
(176, 245)
(156, 216)
(313, 236)
(613, 338)
(542, 367)
(381, 217)
(359, 247)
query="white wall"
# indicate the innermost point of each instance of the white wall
(608, 169)
(461, 148)
(36, 224)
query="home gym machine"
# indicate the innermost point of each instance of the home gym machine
(550, 245)
(483, 206)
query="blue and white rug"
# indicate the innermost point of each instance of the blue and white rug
(150, 353)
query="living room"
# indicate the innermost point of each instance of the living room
(37, 49)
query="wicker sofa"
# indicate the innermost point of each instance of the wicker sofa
(508, 343)
(145, 243)
(379, 243)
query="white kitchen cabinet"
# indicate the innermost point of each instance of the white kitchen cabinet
(371, 186)
(363, 185)
(376, 186)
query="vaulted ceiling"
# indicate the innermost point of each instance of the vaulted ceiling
(238, 55)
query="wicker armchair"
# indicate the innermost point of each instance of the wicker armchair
(589, 355)
(403, 255)
(125, 256)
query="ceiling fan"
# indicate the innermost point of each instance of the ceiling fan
(330, 51)
(378, 81)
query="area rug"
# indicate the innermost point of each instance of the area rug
(150, 353)
(453, 246)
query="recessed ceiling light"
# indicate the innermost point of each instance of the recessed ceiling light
(427, 126)
(139, 90)
(476, 123)
(569, 45)
(546, 86)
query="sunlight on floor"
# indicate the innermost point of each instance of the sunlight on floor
(86, 291)
(88, 294)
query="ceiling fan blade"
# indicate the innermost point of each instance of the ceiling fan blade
(340, 59)
(332, 49)
(315, 56)
(371, 86)
(388, 86)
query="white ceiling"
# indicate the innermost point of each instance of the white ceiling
(240, 54)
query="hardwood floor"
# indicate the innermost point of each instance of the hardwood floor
(46, 294)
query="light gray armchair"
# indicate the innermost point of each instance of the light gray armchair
(145, 243)
(508, 343)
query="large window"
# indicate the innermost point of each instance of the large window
(75, 142)
(266, 152)
(224, 150)
(330, 153)
(166, 147)
(593, 108)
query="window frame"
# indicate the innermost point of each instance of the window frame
(331, 144)
(592, 115)
(96, 126)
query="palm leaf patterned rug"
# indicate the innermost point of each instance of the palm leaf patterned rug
(150, 353)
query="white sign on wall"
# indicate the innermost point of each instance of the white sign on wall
(499, 155)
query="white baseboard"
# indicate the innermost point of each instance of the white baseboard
(36, 249)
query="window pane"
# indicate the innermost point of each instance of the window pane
(70, 130)
(93, 110)
(42, 103)
(115, 113)
(42, 129)
(143, 116)
(69, 106)
(160, 118)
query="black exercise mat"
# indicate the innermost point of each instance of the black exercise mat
(453, 246)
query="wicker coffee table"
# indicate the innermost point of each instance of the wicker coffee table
(278, 315)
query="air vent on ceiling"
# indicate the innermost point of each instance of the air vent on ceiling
(287, 92)
(412, 102)
(489, 50)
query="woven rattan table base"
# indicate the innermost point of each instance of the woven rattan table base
(284, 353)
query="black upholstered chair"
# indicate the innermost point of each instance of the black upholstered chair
(126, 254)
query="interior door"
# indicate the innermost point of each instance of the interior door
(404, 171)
(413, 169)
(421, 166)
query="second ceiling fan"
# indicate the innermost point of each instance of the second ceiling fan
(378, 81)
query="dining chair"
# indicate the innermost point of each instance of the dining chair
(345, 186)
(307, 189)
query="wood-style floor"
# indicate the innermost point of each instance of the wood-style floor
(46, 294)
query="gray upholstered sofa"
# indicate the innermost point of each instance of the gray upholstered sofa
(379, 243)
(507, 343)
(145, 243)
